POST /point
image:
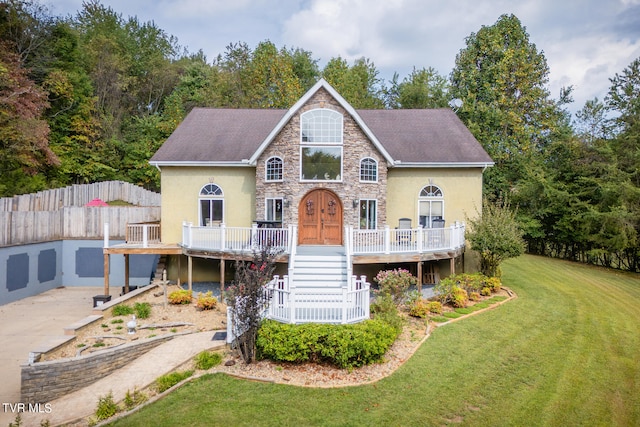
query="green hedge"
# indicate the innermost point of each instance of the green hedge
(346, 346)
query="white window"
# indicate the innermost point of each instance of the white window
(321, 145)
(274, 169)
(368, 170)
(273, 208)
(211, 202)
(321, 126)
(431, 207)
(368, 214)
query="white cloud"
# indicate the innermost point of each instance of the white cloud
(585, 41)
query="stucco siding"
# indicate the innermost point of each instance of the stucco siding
(462, 191)
(181, 188)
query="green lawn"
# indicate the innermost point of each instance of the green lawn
(566, 352)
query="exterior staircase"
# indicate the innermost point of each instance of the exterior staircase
(160, 267)
(320, 267)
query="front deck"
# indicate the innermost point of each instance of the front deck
(311, 291)
(382, 244)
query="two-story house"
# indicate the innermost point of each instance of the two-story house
(339, 190)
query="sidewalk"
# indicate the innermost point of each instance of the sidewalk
(27, 323)
(138, 374)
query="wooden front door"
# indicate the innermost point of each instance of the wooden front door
(320, 219)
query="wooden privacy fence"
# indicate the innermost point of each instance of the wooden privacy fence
(18, 228)
(80, 195)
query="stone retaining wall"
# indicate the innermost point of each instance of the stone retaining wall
(45, 381)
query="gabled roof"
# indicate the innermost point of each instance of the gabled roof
(209, 136)
(321, 84)
(237, 137)
(426, 137)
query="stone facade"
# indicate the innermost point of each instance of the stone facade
(350, 189)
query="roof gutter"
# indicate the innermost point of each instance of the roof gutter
(483, 165)
(233, 163)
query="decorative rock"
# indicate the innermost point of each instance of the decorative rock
(229, 363)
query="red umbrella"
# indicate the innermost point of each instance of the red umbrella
(96, 203)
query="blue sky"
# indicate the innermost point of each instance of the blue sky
(586, 42)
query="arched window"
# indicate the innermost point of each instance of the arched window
(321, 145)
(368, 170)
(431, 207)
(211, 202)
(274, 169)
(321, 126)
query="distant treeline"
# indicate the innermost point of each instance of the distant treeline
(91, 97)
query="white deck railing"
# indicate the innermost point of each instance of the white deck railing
(414, 240)
(288, 304)
(143, 234)
(357, 242)
(345, 304)
(234, 239)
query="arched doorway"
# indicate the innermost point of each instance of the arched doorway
(320, 218)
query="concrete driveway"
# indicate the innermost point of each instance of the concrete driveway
(27, 323)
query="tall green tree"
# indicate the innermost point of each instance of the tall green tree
(501, 78)
(359, 84)
(423, 88)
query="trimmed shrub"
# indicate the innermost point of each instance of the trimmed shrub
(107, 408)
(493, 283)
(206, 301)
(346, 346)
(122, 310)
(423, 307)
(181, 296)
(419, 308)
(383, 308)
(142, 309)
(435, 307)
(165, 382)
(471, 283)
(131, 400)
(207, 360)
(474, 296)
(459, 297)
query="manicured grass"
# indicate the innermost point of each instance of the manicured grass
(565, 352)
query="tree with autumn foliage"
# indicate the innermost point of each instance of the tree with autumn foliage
(24, 134)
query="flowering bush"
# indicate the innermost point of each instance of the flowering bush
(395, 283)
(248, 298)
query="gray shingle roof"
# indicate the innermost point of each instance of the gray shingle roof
(218, 135)
(424, 136)
(410, 136)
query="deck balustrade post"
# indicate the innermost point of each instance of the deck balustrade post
(223, 236)
(365, 297)
(292, 301)
(387, 240)
(145, 236)
(256, 238)
(453, 236)
(420, 232)
(344, 303)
